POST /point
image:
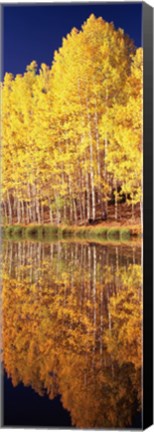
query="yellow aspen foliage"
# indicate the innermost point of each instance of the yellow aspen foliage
(72, 132)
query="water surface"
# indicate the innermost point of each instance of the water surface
(71, 342)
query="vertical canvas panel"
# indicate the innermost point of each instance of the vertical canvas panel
(72, 203)
(148, 217)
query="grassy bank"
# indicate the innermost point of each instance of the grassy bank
(47, 232)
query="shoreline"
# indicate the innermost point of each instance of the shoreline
(47, 231)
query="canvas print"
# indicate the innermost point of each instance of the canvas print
(71, 199)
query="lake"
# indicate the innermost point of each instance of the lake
(71, 334)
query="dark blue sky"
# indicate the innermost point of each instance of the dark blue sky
(34, 31)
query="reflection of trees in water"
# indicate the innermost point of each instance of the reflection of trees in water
(72, 325)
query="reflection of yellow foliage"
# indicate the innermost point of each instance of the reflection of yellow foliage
(65, 332)
(124, 342)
